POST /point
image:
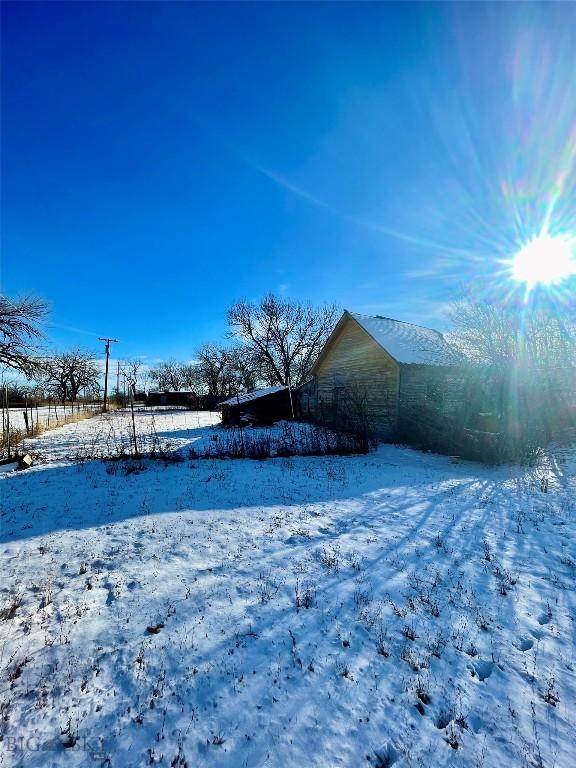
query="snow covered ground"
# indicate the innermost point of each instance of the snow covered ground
(170, 431)
(110, 434)
(45, 416)
(390, 609)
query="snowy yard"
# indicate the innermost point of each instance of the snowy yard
(396, 609)
(45, 416)
(110, 434)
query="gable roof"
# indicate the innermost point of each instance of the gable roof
(406, 343)
(247, 396)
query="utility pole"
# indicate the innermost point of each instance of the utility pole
(108, 342)
(118, 383)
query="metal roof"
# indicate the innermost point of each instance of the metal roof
(247, 396)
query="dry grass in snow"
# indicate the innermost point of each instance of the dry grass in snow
(390, 609)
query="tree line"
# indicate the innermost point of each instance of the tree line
(62, 376)
(275, 341)
(272, 342)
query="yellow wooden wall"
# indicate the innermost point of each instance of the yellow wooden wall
(355, 360)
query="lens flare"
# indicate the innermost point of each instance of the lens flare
(545, 260)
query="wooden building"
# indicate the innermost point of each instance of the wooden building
(263, 406)
(375, 373)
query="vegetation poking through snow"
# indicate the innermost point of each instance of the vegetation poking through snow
(389, 609)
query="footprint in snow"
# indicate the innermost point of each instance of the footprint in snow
(483, 669)
(524, 644)
(445, 717)
(543, 619)
(111, 596)
(476, 723)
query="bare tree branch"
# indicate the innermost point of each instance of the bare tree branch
(283, 336)
(495, 334)
(67, 373)
(168, 376)
(131, 370)
(20, 332)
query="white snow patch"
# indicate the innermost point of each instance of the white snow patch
(406, 342)
(291, 612)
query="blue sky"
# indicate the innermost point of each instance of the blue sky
(160, 160)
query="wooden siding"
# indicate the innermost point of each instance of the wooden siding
(437, 386)
(354, 363)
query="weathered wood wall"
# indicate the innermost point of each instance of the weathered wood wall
(430, 405)
(356, 367)
(438, 386)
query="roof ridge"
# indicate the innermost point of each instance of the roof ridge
(395, 320)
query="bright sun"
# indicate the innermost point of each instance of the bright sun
(545, 259)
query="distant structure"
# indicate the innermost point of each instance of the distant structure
(187, 399)
(263, 406)
(377, 373)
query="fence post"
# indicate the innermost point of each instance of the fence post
(3, 419)
(7, 419)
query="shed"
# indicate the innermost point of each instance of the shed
(209, 402)
(187, 399)
(263, 406)
(374, 372)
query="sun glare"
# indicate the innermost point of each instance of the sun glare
(545, 259)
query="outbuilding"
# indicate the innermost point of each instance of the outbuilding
(263, 406)
(186, 399)
(379, 374)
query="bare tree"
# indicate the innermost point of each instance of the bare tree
(20, 332)
(242, 369)
(217, 370)
(189, 374)
(68, 373)
(54, 377)
(522, 373)
(284, 336)
(83, 372)
(224, 371)
(167, 376)
(131, 370)
(501, 335)
(210, 365)
(212, 370)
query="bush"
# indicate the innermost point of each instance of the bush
(284, 440)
